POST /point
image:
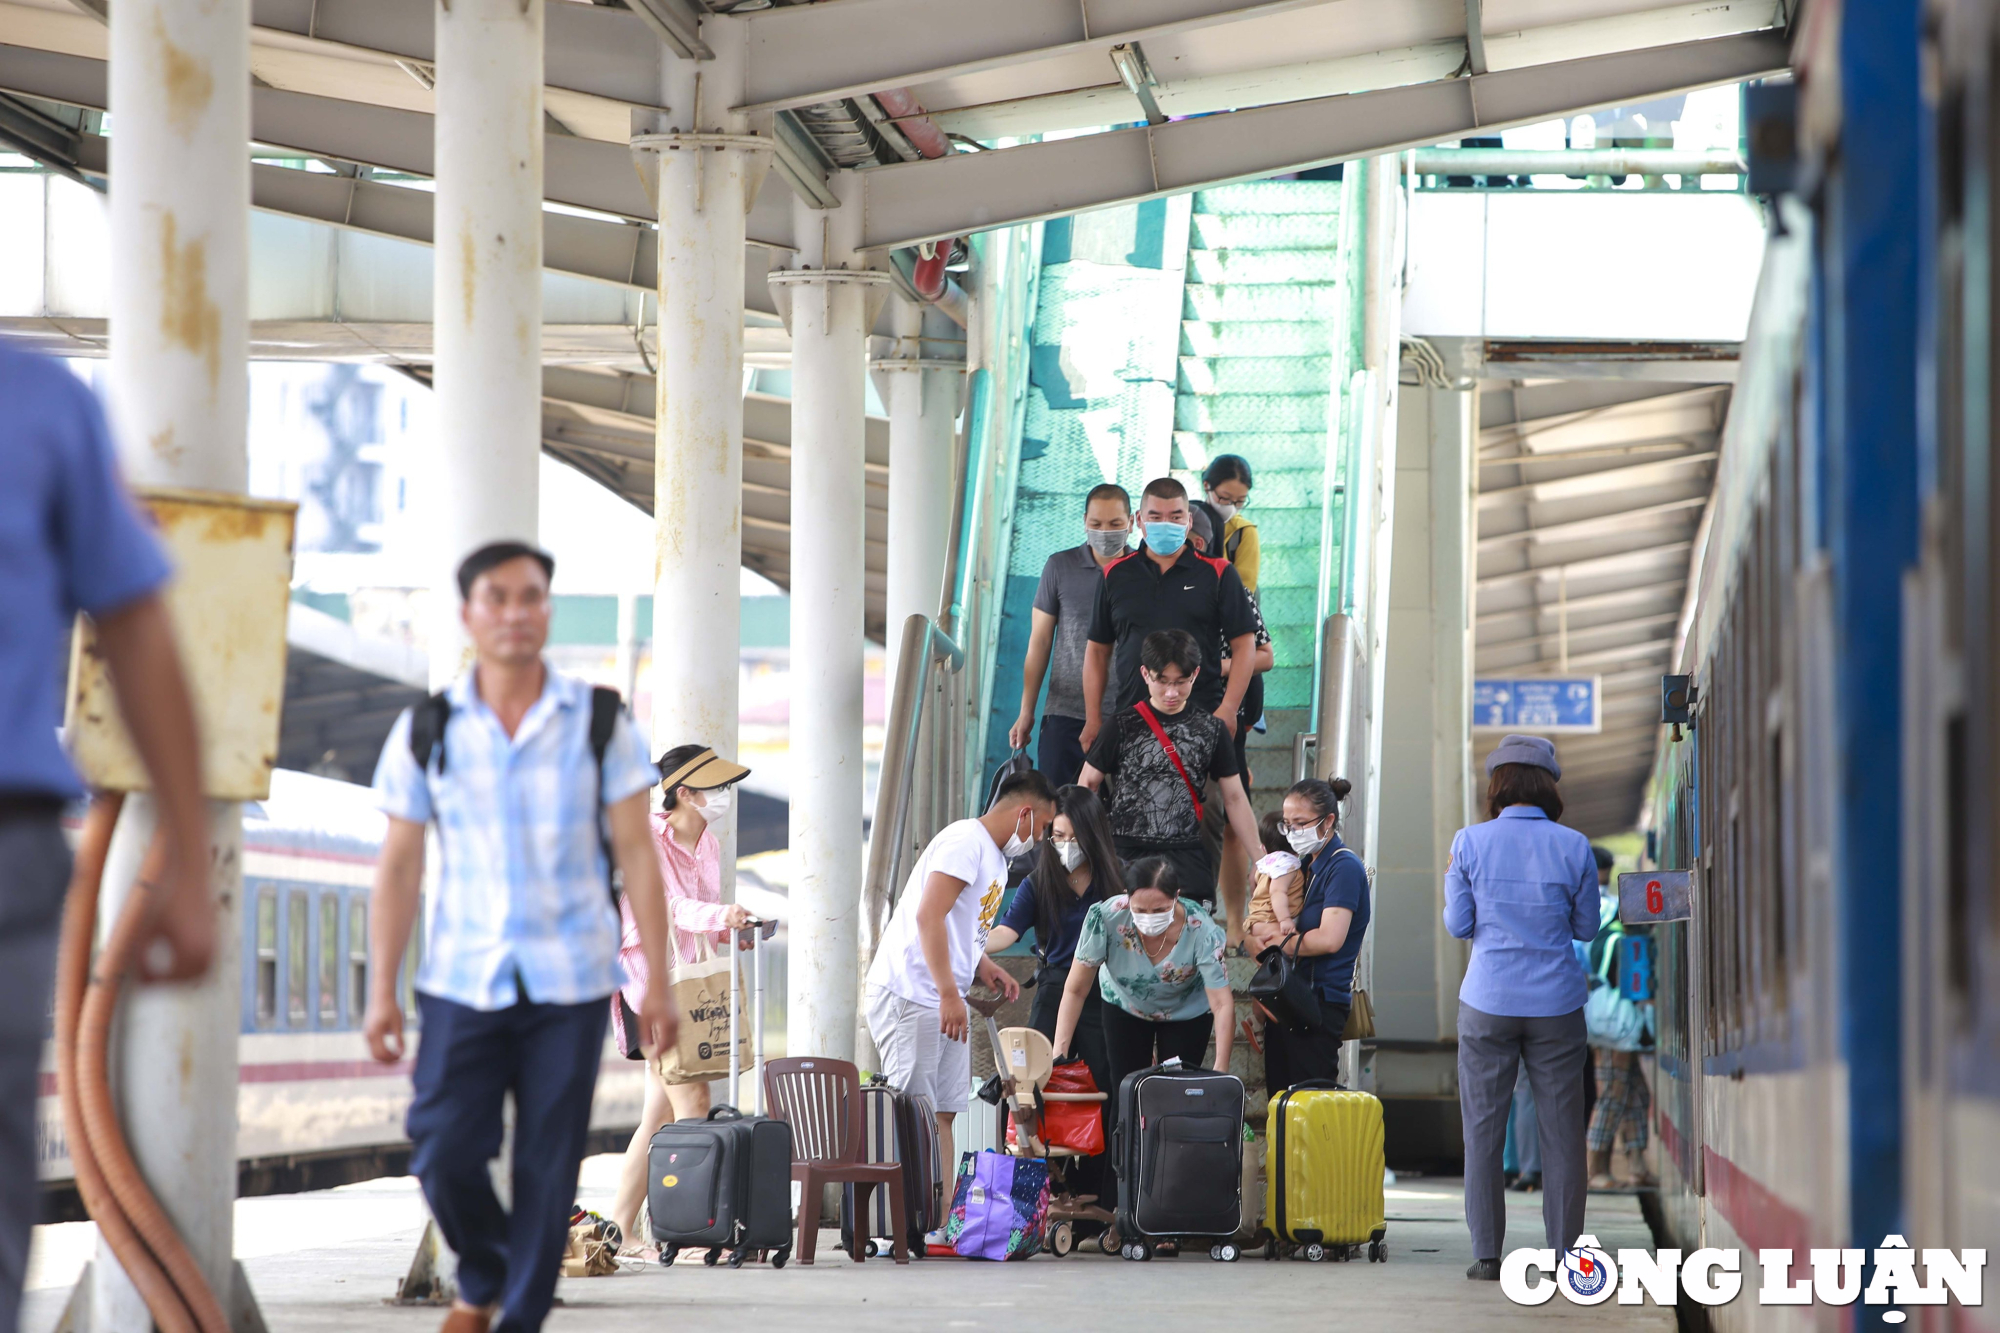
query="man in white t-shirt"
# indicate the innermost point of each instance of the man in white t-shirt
(935, 947)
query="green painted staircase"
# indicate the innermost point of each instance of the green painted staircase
(1264, 323)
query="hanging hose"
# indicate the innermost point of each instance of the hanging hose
(130, 1219)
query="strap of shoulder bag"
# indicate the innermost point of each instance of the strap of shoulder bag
(1160, 735)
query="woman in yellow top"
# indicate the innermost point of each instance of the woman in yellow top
(1227, 481)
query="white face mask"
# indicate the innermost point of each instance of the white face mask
(718, 804)
(1153, 923)
(1227, 511)
(1016, 844)
(1071, 853)
(1305, 841)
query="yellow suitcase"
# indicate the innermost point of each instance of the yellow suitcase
(1325, 1171)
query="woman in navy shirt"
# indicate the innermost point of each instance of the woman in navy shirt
(1331, 924)
(1521, 887)
(1074, 868)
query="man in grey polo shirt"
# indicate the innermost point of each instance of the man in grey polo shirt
(1064, 601)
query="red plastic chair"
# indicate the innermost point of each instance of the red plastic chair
(821, 1099)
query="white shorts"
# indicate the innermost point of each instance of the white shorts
(916, 1056)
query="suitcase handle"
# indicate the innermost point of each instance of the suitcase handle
(725, 1113)
(1318, 1085)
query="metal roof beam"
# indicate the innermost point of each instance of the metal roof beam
(1582, 632)
(800, 54)
(918, 201)
(1643, 592)
(1604, 478)
(1616, 521)
(1595, 567)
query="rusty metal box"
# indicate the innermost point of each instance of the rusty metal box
(232, 559)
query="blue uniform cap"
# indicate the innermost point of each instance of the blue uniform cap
(1537, 750)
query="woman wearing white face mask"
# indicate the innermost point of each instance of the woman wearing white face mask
(698, 792)
(1157, 961)
(1326, 936)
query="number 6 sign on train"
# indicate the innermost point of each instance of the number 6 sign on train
(1653, 895)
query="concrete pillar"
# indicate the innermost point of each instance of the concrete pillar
(709, 168)
(487, 295)
(919, 383)
(1426, 738)
(179, 395)
(828, 299)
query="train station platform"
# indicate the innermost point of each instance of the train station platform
(326, 1260)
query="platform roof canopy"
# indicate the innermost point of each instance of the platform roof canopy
(1591, 498)
(929, 100)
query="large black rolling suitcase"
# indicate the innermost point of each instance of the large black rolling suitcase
(900, 1127)
(724, 1183)
(1179, 1154)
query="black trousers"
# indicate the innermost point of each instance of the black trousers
(1139, 1043)
(1195, 865)
(547, 1055)
(1060, 754)
(1301, 1055)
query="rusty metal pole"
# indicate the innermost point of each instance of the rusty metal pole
(710, 167)
(828, 296)
(179, 394)
(487, 294)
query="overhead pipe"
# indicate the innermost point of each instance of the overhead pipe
(928, 274)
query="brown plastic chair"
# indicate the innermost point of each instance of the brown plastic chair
(820, 1099)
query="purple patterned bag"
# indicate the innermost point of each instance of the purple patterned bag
(1000, 1206)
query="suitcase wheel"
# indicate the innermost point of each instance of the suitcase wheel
(1107, 1240)
(1271, 1248)
(710, 1258)
(1225, 1253)
(1378, 1251)
(782, 1256)
(1138, 1251)
(1062, 1239)
(736, 1258)
(1315, 1253)
(871, 1249)
(668, 1253)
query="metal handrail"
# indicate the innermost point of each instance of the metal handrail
(923, 645)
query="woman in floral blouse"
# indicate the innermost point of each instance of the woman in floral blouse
(1157, 959)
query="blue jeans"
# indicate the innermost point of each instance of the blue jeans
(547, 1055)
(1060, 754)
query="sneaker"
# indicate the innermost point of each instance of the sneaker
(1528, 1183)
(937, 1238)
(1484, 1270)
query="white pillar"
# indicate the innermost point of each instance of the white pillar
(920, 385)
(179, 390)
(710, 169)
(487, 295)
(828, 297)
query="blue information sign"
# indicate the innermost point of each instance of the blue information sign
(1536, 703)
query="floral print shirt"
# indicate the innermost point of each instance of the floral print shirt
(1166, 992)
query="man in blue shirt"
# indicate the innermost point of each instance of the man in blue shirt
(71, 540)
(522, 952)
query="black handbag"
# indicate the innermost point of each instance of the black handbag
(628, 1026)
(1283, 987)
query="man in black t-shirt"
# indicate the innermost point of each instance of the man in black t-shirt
(1153, 805)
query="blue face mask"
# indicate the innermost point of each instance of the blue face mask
(1165, 538)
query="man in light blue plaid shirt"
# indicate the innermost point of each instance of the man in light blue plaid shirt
(522, 952)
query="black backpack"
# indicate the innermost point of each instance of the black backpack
(427, 728)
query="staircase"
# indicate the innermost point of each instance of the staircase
(1264, 319)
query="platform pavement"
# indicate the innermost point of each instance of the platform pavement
(326, 1260)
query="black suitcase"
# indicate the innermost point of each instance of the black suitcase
(1179, 1155)
(901, 1127)
(724, 1183)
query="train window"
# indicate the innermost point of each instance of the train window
(329, 960)
(357, 960)
(267, 958)
(296, 926)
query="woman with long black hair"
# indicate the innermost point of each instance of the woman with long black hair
(1075, 868)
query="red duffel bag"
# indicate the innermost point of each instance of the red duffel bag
(1078, 1126)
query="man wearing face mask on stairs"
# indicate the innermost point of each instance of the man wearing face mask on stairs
(1065, 600)
(934, 948)
(1166, 585)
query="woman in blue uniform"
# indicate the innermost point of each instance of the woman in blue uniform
(1521, 887)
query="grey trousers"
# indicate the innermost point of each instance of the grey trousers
(34, 868)
(1491, 1050)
